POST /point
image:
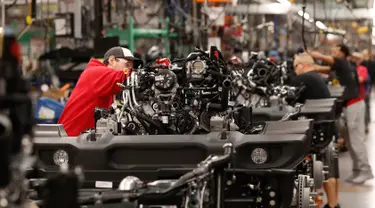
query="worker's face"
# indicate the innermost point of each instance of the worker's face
(366, 54)
(357, 60)
(120, 63)
(336, 52)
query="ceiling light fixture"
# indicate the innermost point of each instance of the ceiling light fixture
(306, 15)
(320, 25)
(285, 3)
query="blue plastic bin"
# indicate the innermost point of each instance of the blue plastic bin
(48, 111)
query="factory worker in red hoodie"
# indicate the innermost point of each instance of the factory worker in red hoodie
(96, 87)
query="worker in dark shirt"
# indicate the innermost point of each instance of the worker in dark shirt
(369, 63)
(353, 110)
(315, 88)
(96, 87)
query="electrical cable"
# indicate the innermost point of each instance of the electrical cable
(150, 18)
(303, 25)
(188, 16)
(323, 2)
(11, 5)
(346, 3)
(25, 29)
(46, 25)
(346, 6)
(314, 18)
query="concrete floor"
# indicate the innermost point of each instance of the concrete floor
(355, 196)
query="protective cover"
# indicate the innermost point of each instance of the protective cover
(317, 103)
(167, 156)
(275, 114)
(288, 127)
(338, 104)
(50, 130)
(336, 91)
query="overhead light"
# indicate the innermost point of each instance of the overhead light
(373, 24)
(336, 31)
(285, 3)
(331, 37)
(320, 25)
(306, 15)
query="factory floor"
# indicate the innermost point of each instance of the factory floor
(355, 196)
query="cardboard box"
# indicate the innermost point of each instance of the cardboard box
(54, 94)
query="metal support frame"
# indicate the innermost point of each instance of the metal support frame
(33, 9)
(2, 14)
(98, 8)
(128, 36)
(77, 19)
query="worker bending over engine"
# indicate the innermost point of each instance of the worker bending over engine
(96, 87)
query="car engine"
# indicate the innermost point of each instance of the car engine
(171, 97)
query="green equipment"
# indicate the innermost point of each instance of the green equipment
(26, 42)
(128, 36)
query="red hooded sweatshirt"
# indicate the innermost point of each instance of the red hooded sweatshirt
(95, 88)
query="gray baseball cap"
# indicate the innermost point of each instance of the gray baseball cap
(120, 52)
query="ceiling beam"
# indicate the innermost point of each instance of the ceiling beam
(9, 2)
(340, 12)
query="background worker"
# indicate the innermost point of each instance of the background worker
(353, 110)
(315, 88)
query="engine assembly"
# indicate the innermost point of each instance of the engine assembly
(205, 95)
(163, 98)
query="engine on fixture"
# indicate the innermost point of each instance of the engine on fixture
(164, 102)
(152, 104)
(173, 98)
(265, 73)
(255, 83)
(207, 85)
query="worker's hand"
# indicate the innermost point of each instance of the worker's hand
(314, 54)
(126, 70)
(33, 205)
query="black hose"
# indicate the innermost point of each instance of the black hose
(141, 121)
(214, 73)
(160, 128)
(224, 98)
(147, 128)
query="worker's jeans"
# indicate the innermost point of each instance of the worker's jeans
(367, 112)
(355, 122)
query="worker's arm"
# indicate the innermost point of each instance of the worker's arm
(322, 69)
(326, 59)
(105, 81)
